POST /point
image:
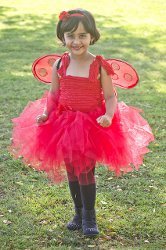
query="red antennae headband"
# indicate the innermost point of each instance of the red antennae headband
(64, 15)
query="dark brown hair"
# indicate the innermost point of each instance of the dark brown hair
(71, 24)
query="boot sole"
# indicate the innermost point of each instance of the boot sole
(74, 228)
(90, 235)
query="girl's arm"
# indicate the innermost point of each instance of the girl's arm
(51, 98)
(110, 99)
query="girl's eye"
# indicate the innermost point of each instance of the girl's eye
(83, 36)
(70, 36)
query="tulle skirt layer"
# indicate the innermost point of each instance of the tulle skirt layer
(73, 140)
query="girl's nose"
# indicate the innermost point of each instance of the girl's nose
(76, 40)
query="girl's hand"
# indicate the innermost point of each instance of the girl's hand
(104, 120)
(41, 118)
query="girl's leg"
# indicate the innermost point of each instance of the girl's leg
(76, 222)
(88, 194)
(75, 190)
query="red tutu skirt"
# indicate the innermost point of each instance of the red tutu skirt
(75, 137)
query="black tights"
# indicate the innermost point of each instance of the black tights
(83, 189)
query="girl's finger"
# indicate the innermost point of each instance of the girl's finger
(38, 119)
(98, 119)
(105, 123)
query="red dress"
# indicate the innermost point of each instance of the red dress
(71, 134)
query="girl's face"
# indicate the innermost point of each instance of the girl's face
(78, 41)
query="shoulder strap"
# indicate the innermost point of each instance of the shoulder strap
(106, 65)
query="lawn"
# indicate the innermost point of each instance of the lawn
(130, 209)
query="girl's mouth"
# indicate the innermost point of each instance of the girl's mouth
(76, 48)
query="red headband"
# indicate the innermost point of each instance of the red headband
(65, 15)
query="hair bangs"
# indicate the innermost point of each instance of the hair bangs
(70, 25)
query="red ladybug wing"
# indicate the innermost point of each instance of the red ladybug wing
(125, 75)
(42, 67)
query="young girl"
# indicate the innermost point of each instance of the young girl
(79, 122)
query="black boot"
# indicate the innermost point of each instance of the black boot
(89, 223)
(88, 194)
(76, 222)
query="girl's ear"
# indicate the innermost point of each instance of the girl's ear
(63, 41)
(91, 41)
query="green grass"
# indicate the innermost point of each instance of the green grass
(130, 209)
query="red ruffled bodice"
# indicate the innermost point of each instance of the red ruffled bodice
(82, 93)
